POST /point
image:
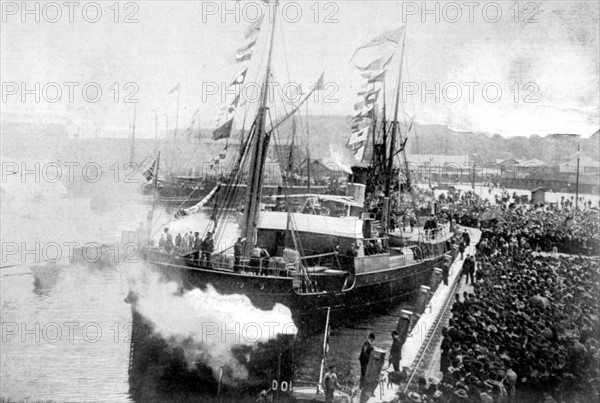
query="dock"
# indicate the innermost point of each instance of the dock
(420, 352)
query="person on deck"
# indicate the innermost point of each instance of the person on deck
(255, 260)
(238, 252)
(168, 241)
(196, 246)
(208, 247)
(178, 240)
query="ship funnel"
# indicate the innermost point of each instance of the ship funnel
(357, 184)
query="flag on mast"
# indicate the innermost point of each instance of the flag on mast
(175, 89)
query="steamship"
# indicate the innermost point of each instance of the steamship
(325, 251)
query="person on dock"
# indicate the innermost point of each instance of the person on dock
(464, 271)
(461, 248)
(446, 269)
(472, 267)
(396, 351)
(363, 358)
(178, 240)
(466, 239)
(330, 383)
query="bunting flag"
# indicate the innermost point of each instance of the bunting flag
(389, 36)
(372, 97)
(359, 105)
(378, 78)
(248, 47)
(223, 132)
(253, 28)
(240, 79)
(175, 89)
(368, 75)
(149, 173)
(217, 161)
(359, 136)
(360, 152)
(243, 55)
(374, 65)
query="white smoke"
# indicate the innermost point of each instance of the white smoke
(206, 324)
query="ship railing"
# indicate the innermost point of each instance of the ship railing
(273, 266)
(323, 260)
(376, 246)
(437, 233)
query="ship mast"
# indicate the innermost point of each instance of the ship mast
(395, 131)
(258, 157)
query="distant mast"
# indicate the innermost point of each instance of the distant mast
(259, 153)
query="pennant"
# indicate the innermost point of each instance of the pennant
(372, 97)
(240, 79)
(359, 105)
(359, 136)
(389, 36)
(223, 132)
(378, 78)
(253, 28)
(176, 88)
(319, 86)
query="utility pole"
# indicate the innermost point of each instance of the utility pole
(577, 180)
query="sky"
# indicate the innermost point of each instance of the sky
(543, 57)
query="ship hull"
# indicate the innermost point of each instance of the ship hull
(377, 290)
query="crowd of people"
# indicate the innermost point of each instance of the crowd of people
(529, 330)
(544, 227)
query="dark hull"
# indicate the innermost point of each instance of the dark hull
(373, 291)
(158, 370)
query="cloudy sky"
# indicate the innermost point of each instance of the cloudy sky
(543, 56)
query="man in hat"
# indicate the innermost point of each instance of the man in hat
(238, 252)
(363, 358)
(208, 247)
(196, 246)
(396, 351)
(330, 383)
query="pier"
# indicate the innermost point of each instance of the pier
(420, 352)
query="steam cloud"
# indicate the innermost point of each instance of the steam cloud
(205, 324)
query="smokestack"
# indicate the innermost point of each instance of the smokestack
(357, 185)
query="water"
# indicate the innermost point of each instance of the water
(66, 327)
